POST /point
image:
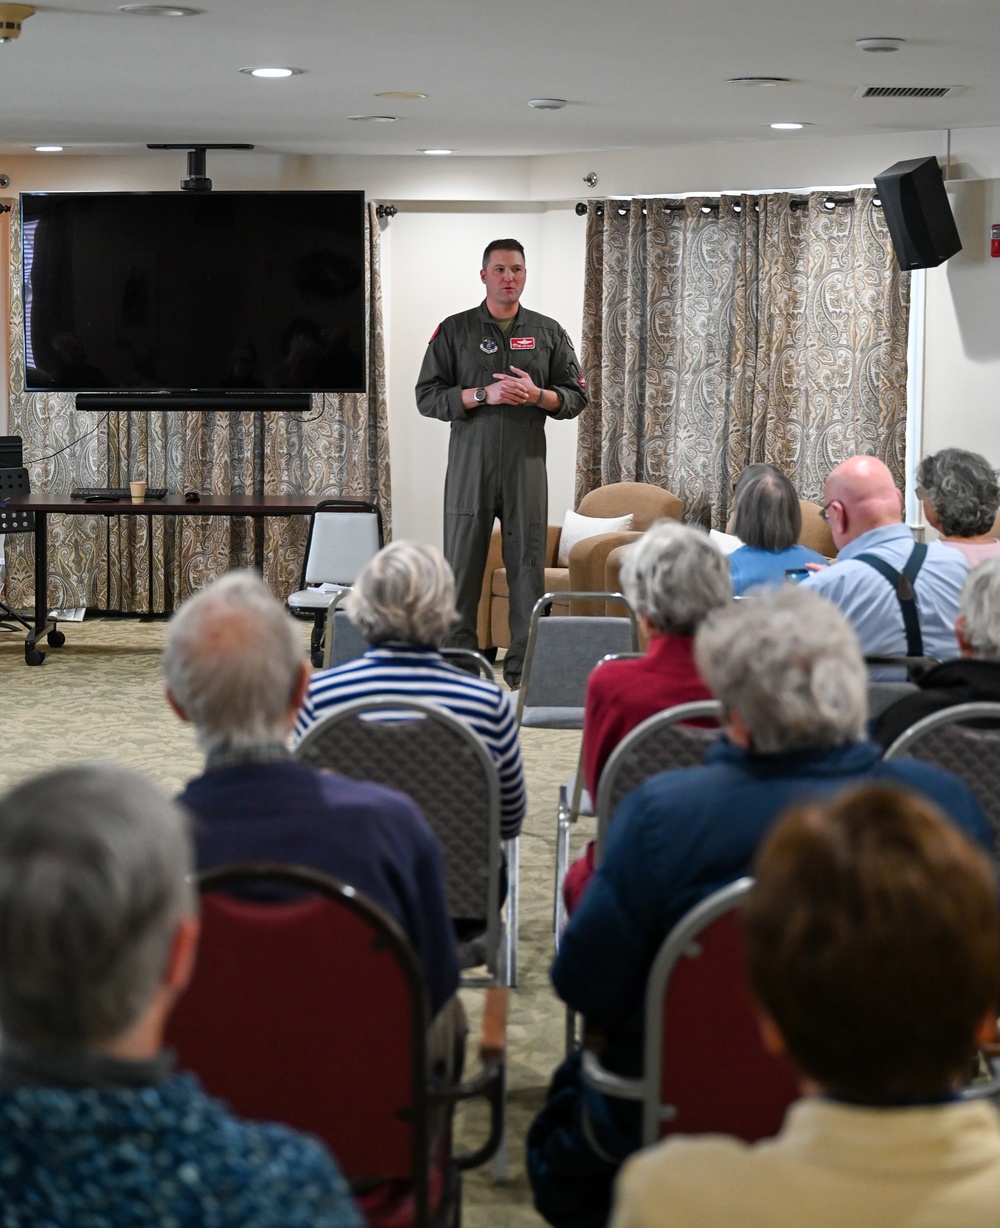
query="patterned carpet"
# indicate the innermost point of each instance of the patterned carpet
(101, 696)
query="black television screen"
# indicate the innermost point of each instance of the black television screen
(215, 292)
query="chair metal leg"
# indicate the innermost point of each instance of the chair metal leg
(563, 819)
(512, 849)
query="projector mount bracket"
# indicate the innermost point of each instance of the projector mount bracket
(197, 180)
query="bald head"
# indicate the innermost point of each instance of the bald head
(861, 495)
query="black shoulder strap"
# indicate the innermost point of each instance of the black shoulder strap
(902, 583)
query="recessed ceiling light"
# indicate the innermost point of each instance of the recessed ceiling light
(879, 44)
(436, 152)
(265, 71)
(758, 82)
(158, 10)
(48, 149)
(374, 119)
(789, 126)
(399, 94)
(547, 104)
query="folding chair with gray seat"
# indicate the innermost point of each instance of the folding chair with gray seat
(560, 655)
(434, 757)
(344, 535)
(661, 743)
(963, 739)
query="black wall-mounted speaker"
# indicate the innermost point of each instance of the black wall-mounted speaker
(917, 213)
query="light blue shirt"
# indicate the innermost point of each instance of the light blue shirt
(755, 568)
(869, 601)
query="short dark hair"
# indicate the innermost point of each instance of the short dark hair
(766, 511)
(502, 245)
(872, 941)
(962, 488)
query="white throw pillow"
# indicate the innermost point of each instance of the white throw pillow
(576, 528)
(727, 542)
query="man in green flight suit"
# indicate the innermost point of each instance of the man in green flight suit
(496, 373)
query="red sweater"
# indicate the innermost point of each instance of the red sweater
(622, 694)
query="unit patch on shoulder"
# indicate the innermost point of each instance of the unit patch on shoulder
(522, 343)
(581, 381)
(434, 333)
(488, 345)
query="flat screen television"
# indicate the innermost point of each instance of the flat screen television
(219, 298)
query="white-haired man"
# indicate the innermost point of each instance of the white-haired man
(900, 596)
(788, 672)
(235, 668)
(98, 932)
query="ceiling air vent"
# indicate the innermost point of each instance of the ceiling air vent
(908, 91)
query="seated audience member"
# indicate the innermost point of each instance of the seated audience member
(403, 602)
(235, 668)
(673, 576)
(960, 495)
(871, 941)
(767, 518)
(786, 667)
(98, 932)
(877, 553)
(972, 678)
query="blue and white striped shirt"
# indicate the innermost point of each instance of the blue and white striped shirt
(422, 673)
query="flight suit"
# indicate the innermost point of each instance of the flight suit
(496, 457)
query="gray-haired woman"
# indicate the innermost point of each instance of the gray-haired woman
(961, 495)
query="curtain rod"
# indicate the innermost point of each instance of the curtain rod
(710, 205)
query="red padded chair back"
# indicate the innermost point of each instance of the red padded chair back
(714, 1068)
(311, 1012)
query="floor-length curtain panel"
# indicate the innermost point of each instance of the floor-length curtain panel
(830, 369)
(339, 447)
(657, 349)
(722, 332)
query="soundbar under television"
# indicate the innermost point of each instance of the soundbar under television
(220, 297)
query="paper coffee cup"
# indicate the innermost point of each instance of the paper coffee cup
(138, 490)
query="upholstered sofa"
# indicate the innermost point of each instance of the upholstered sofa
(587, 559)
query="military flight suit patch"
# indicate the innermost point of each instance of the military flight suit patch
(522, 343)
(488, 345)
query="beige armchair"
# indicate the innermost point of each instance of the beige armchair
(587, 559)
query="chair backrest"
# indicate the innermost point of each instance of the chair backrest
(970, 752)
(646, 502)
(706, 1068)
(439, 761)
(344, 535)
(469, 661)
(560, 655)
(661, 743)
(311, 1010)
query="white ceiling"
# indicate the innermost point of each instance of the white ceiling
(636, 74)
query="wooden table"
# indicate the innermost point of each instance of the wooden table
(43, 503)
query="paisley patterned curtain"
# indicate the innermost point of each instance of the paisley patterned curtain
(723, 331)
(340, 447)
